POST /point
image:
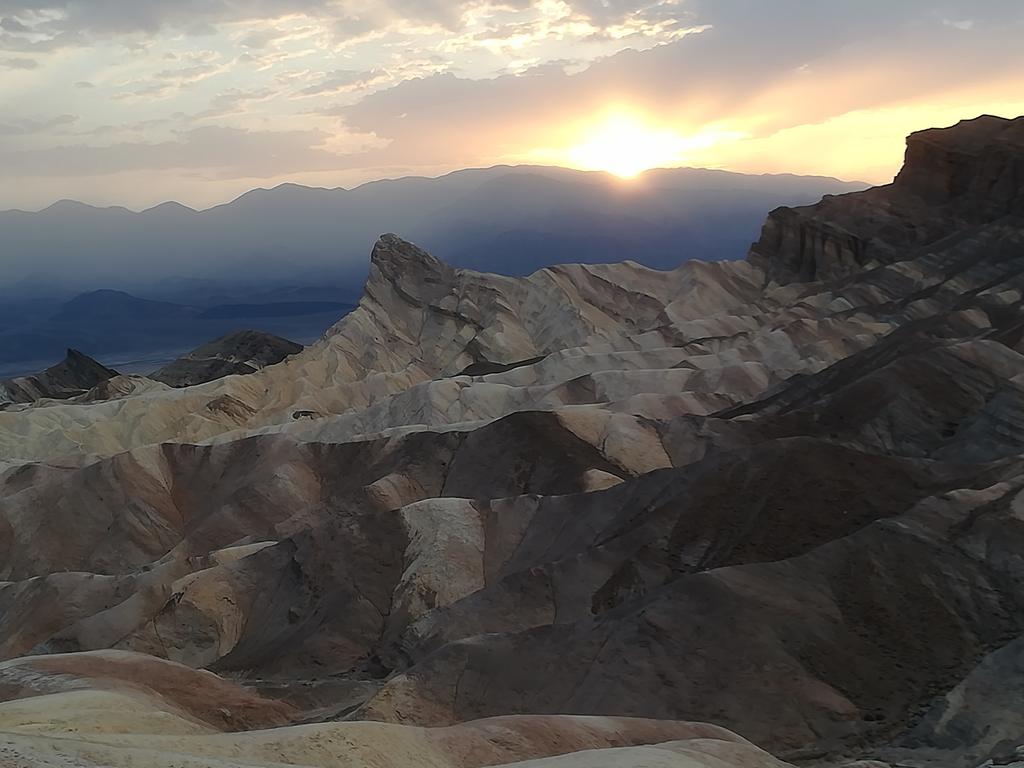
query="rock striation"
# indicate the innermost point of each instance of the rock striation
(782, 496)
(956, 182)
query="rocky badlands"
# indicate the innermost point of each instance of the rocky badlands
(598, 516)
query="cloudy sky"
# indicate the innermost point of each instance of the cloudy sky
(135, 102)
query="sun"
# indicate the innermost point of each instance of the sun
(624, 144)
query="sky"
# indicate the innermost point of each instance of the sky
(134, 102)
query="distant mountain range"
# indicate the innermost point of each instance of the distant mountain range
(511, 220)
(292, 260)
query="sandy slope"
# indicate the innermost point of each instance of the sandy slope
(128, 711)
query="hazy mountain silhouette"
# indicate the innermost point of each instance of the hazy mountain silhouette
(505, 219)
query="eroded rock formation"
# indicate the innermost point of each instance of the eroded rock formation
(236, 354)
(960, 182)
(74, 375)
(782, 496)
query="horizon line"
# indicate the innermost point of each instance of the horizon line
(408, 177)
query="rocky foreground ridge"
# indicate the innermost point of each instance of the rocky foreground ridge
(73, 376)
(782, 496)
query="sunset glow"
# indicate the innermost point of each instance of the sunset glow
(142, 103)
(624, 144)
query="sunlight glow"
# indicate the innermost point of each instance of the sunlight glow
(625, 145)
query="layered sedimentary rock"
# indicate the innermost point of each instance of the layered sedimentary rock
(625, 337)
(956, 182)
(782, 496)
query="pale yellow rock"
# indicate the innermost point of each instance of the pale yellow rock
(604, 333)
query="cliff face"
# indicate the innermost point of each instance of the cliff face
(954, 181)
(976, 167)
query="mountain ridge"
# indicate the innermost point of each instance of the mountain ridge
(287, 185)
(781, 495)
(73, 376)
(237, 353)
(676, 214)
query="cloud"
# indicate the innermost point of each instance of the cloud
(965, 25)
(52, 24)
(19, 63)
(603, 14)
(217, 152)
(167, 82)
(10, 24)
(30, 126)
(261, 38)
(758, 68)
(344, 80)
(104, 18)
(324, 86)
(126, 16)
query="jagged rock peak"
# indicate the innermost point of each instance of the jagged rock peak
(954, 181)
(78, 371)
(76, 360)
(75, 374)
(407, 268)
(391, 253)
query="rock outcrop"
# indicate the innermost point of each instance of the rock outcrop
(782, 496)
(238, 353)
(956, 182)
(74, 375)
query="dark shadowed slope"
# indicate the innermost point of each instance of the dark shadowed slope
(241, 352)
(73, 376)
